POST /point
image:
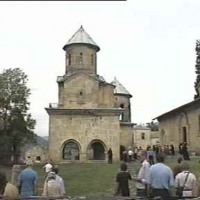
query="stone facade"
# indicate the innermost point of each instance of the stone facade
(181, 125)
(143, 137)
(91, 116)
(36, 154)
(126, 135)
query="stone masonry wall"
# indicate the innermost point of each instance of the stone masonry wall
(84, 92)
(83, 129)
(171, 129)
(82, 58)
(125, 100)
(126, 136)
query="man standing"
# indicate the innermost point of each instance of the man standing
(48, 167)
(143, 175)
(150, 155)
(110, 156)
(27, 181)
(185, 152)
(161, 178)
(130, 155)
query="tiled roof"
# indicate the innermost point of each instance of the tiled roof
(119, 88)
(81, 37)
(179, 109)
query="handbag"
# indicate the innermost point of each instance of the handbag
(179, 189)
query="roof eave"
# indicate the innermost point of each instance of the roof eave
(97, 48)
(123, 94)
(177, 109)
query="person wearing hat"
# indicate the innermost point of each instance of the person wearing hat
(52, 188)
(60, 181)
(27, 181)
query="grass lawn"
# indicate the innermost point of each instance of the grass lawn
(97, 179)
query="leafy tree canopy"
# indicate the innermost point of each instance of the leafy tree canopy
(197, 66)
(16, 124)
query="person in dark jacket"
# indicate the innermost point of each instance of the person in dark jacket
(122, 179)
(185, 152)
(110, 156)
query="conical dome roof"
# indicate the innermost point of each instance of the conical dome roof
(81, 37)
(119, 88)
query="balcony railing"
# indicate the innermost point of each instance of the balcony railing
(55, 105)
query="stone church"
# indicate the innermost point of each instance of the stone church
(182, 124)
(91, 115)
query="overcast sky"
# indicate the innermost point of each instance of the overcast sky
(149, 45)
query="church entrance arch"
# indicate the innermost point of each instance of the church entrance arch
(183, 128)
(71, 150)
(96, 150)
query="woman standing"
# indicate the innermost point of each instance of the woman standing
(7, 190)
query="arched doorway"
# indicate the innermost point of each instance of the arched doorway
(121, 117)
(183, 128)
(71, 150)
(96, 150)
(122, 149)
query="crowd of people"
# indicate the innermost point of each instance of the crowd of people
(131, 154)
(158, 179)
(27, 183)
(153, 179)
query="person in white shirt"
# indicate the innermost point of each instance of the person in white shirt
(143, 175)
(60, 181)
(130, 155)
(48, 168)
(186, 179)
(51, 188)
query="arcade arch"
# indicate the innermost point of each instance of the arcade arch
(96, 150)
(71, 150)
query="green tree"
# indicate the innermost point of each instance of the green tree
(16, 124)
(154, 126)
(197, 66)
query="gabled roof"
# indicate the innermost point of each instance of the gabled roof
(119, 88)
(98, 78)
(196, 102)
(81, 37)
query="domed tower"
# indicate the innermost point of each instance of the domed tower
(81, 53)
(84, 123)
(122, 100)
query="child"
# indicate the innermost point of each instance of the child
(122, 178)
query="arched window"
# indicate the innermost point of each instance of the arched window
(68, 59)
(121, 117)
(143, 136)
(71, 151)
(80, 60)
(92, 59)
